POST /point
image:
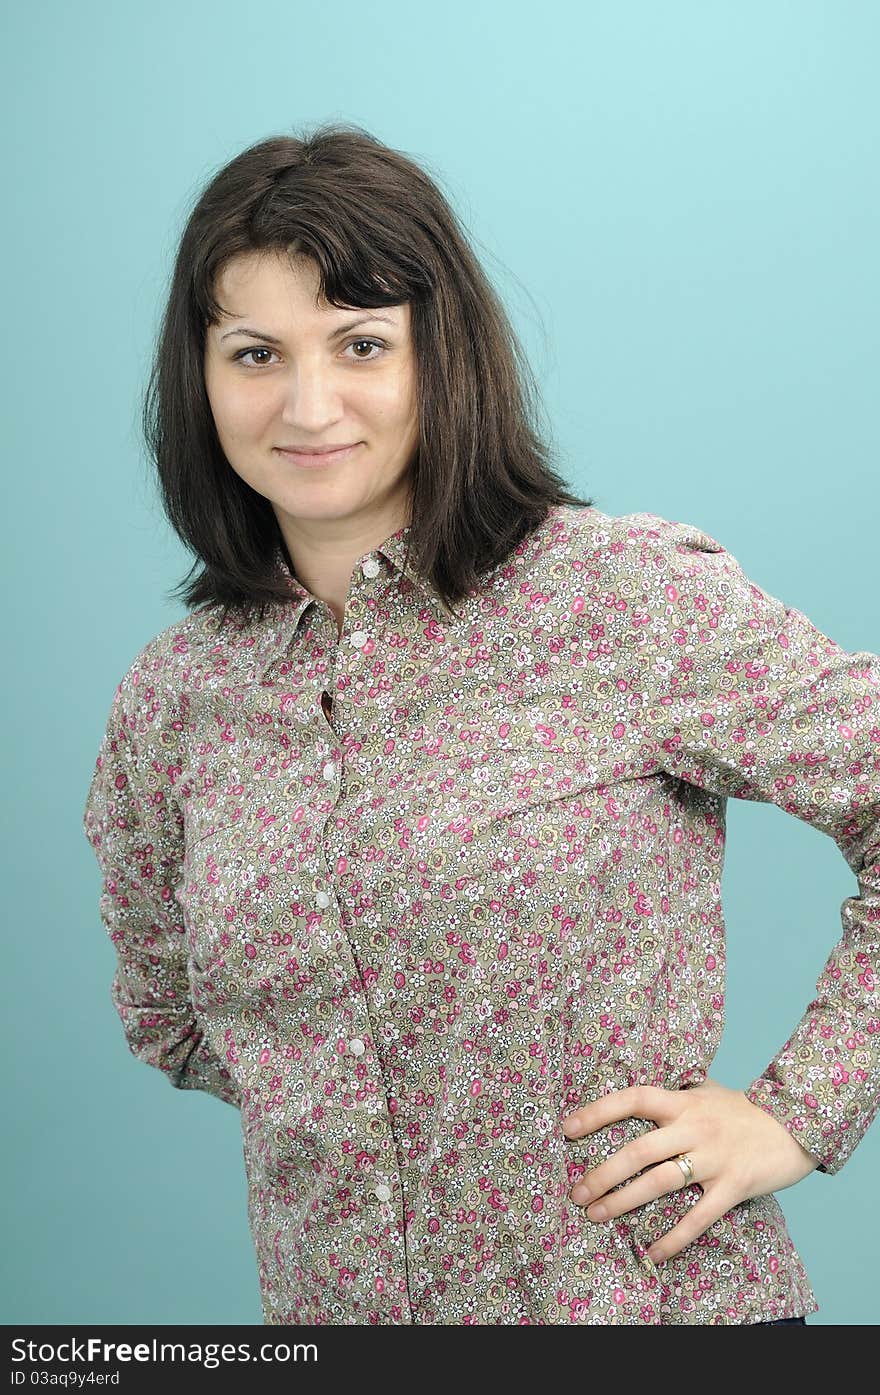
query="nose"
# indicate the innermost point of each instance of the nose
(312, 401)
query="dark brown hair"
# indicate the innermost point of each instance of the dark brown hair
(381, 233)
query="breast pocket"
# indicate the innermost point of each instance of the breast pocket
(234, 823)
(524, 777)
(233, 890)
(509, 782)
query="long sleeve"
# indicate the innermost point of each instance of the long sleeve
(745, 697)
(136, 831)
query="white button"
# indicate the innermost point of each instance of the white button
(329, 771)
(382, 1193)
(371, 567)
(321, 898)
(359, 639)
(356, 1047)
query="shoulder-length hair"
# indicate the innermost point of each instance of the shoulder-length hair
(381, 233)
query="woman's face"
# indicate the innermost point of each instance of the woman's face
(315, 386)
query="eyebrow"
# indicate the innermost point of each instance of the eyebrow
(343, 329)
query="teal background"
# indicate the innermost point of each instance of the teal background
(679, 203)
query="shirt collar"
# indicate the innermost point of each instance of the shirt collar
(280, 629)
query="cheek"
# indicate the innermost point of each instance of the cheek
(391, 404)
(245, 430)
(237, 409)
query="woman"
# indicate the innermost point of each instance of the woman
(412, 830)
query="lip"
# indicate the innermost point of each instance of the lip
(314, 459)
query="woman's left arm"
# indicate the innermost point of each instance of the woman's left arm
(745, 697)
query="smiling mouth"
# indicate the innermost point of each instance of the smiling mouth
(311, 460)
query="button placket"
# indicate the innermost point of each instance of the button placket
(379, 1188)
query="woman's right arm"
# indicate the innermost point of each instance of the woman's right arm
(135, 828)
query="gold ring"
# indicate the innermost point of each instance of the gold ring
(686, 1166)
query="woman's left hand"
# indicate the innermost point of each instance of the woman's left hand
(737, 1151)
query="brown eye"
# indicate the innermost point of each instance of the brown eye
(243, 352)
(372, 343)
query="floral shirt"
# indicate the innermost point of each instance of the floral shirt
(409, 893)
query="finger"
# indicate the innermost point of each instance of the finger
(702, 1214)
(658, 1181)
(636, 1102)
(658, 1146)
